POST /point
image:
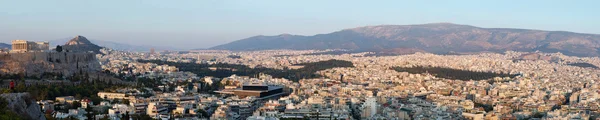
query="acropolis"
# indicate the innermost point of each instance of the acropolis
(29, 46)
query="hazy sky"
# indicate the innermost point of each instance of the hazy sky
(206, 23)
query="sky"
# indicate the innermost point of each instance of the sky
(190, 24)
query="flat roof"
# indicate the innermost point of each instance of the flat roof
(270, 87)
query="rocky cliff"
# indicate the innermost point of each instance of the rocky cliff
(37, 63)
(23, 105)
(81, 44)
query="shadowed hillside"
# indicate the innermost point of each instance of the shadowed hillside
(225, 70)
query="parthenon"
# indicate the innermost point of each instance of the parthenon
(29, 46)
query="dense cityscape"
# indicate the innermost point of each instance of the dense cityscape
(299, 60)
(218, 84)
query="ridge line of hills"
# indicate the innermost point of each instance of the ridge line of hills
(439, 38)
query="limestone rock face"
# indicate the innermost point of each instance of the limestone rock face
(78, 40)
(37, 63)
(81, 44)
(24, 105)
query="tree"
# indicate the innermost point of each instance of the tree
(126, 116)
(141, 117)
(49, 117)
(171, 88)
(76, 104)
(5, 113)
(125, 101)
(203, 114)
(3, 103)
(20, 87)
(78, 96)
(89, 113)
(59, 48)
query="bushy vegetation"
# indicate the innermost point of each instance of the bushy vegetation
(46, 76)
(226, 70)
(450, 73)
(81, 90)
(20, 76)
(336, 52)
(583, 65)
(234, 56)
(5, 113)
(486, 107)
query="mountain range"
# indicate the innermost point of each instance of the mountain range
(5, 46)
(439, 38)
(115, 45)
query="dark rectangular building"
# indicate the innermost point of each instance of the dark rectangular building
(260, 91)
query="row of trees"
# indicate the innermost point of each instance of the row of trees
(144, 82)
(19, 76)
(83, 89)
(583, 65)
(226, 70)
(234, 56)
(47, 76)
(450, 73)
(23, 76)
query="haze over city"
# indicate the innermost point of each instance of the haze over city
(191, 24)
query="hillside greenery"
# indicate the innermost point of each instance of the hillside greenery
(225, 70)
(583, 65)
(7, 114)
(78, 90)
(450, 73)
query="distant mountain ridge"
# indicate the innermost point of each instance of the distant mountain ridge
(114, 45)
(5, 46)
(434, 38)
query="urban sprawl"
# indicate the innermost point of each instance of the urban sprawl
(536, 85)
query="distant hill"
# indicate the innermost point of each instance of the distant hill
(115, 45)
(440, 38)
(81, 44)
(200, 49)
(5, 46)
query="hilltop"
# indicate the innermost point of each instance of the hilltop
(81, 44)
